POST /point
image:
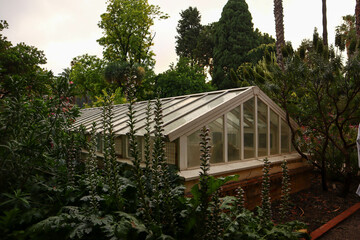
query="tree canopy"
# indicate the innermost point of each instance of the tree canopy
(87, 74)
(188, 29)
(234, 38)
(181, 79)
(126, 28)
(20, 68)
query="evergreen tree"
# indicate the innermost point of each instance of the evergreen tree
(188, 28)
(205, 47)
(234, 38)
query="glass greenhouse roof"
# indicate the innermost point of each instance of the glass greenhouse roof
(181, 114)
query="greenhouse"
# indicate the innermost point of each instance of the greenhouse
(245, 124)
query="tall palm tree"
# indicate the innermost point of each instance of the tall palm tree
(279, 28)
(325, 33)
(357, 17)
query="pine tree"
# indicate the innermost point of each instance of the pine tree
(234, 38)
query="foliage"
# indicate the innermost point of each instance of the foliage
(188, 29)
(181, 79)
(321, 94)
(234, 38)
(204, 52)
(265, 191)
(87, 74)
(36, 114)
(126, 28)
(285, 191)
(345, 35)
(20, 70)
(117, 73)
(236, 43)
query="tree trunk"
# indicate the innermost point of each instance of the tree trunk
(357, 18)
(347, 176)
(279, 28)
(323, 175)
(325, 32)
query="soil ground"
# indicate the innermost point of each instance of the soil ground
(315, 207)
(348, 229)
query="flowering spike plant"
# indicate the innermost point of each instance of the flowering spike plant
(91, 170)
(147, 143)
(285, 190)
(110, 162)
(144, 208)
(240, 199)
(265, 191)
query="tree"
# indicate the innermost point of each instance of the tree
(188, 29)
(357, 16)
(345, 35)
(181, 79)
(279, 27)
(205, 47)
(321, 95)
(87, 74)
(234, 37)
(324, 22)
(117, 73)
(126, 28)
(265, 45)
(20, 68)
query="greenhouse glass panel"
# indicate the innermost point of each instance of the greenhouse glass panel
(170, 152)
(189, 107)
(285, 135)
(119, 147)
(217, 140)
(234, 134)
(249, 128)
(198, 112)
(274, 133)
(178, 103)
(262, 128)
(193, 149)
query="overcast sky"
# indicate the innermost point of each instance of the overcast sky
(64, 29)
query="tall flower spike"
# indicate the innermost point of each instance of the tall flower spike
(203, 181)
(240, 199)
(144, 208)
(147, 147)
(91, 169)
(110, 162)
(285, 191)
(265, 192)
